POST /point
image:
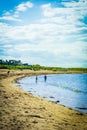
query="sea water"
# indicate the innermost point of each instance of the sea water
(66, 89)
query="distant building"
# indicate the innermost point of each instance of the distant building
(11, 62)
(14, 62)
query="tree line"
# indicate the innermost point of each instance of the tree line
(37, 67)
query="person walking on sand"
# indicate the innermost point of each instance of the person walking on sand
(8, 72)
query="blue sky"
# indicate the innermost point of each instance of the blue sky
(47, 32)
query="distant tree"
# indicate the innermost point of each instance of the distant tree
(36, 67)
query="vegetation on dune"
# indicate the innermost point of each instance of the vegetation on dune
(14, 67)
(38, 67)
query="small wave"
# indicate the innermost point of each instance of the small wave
(74, 90)
(70, 88)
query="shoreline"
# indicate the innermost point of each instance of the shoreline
(20, 110)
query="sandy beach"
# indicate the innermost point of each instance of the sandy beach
(20, 110)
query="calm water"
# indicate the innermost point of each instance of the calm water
(69, 89)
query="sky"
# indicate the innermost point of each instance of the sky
(45, 32)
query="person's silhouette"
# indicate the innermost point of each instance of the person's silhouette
(36, 79)
(45, 78)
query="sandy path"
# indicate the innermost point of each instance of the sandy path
(22, 111)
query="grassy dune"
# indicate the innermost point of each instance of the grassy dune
(22, 111)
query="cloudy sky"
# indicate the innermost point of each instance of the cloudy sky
(45, 32)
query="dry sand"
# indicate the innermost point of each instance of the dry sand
(22, 111)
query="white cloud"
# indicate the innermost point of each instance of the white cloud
(79, 7)
(24, 6)
(67, 19)
(8, 16)
(42, 32)
(49, 11)
(13, 15)
(11, 18)
(71, 11)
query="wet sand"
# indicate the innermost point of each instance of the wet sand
(20, 110)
